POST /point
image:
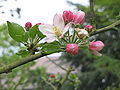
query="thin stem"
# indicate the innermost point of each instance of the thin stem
(64, 78)
(69, 36)
(18, 83)
(73, 36)
(64, 40)
(56, 64)
(49, 84)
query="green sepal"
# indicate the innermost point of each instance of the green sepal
(23, 53)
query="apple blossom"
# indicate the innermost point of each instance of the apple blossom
(67, 16)
(96, 46)
(88, 27)
(79, 17)
(57, 30)
(72, 49)
(82, 33)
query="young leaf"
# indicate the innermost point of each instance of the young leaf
(15, 31)
(33, 31)
(51, 47)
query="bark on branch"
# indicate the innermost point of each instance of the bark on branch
(107, 28)
(8, 68)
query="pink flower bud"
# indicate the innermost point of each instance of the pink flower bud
(96, 46)
(28, 25)
(40, 23)
(52, 76)
(79, 17)
(72, 49)
(67, 16)
(88, 27)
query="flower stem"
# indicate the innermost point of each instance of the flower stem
(73, 36)
(64, 78)
(69, 36)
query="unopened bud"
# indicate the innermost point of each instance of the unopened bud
(72, 49)
(88, 27)
(52, 76)
(82, 33)
(28, 25)
(96, 46)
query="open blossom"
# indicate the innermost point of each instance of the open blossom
(57, 30)
(79, 17)
(67, 16)
(72, 49)
(82, 33)
(96, 46)
(88, 27)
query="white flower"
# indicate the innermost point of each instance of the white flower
(57, 30)
(82, 33)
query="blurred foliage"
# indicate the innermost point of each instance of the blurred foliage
(99, 73)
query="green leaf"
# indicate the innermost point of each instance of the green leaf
(15, 31)
(51, 47)
(118, 17)
(40, 34)
(33, 31)
(23, 53)
(25, 37)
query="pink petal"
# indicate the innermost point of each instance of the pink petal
(96, 53)
(66, 28)
(50, 39)
(58, 21)
(46, 29)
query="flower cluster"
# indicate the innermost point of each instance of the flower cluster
(66, 29)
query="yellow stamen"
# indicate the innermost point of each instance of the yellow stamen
(57, 31)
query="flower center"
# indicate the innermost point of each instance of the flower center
(57, 31)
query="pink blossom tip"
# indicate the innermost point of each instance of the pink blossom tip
(28, 25)
(67, 16)
(88, 27)
(96, 46)
(72, 49)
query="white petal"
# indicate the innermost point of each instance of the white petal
(46, 29)
(50, 39)
(96, 53)
(58, 21)
(66, 28)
